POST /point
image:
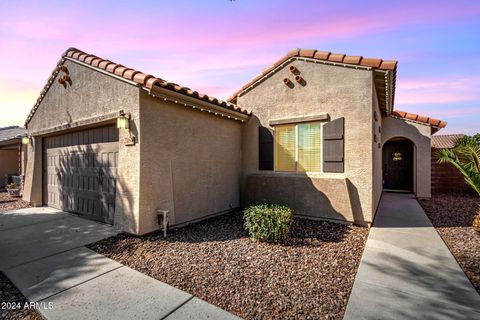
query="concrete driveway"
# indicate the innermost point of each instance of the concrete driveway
(42, 251)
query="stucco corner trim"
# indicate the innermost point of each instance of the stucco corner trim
(317, 117)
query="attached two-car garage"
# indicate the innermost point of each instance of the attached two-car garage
(80, 172)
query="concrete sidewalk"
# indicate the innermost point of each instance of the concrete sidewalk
(42, 252)
(407, 272)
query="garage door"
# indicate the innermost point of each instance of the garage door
(80, 172)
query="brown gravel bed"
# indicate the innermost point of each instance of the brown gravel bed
(8, 203)
(9, 294)
(452, 216)
(310, 277)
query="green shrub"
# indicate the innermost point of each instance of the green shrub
(267, 222)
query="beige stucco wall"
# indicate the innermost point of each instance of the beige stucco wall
(190, 163)
(420, 135)
(338, 91)
(9, 164)
(90, 96)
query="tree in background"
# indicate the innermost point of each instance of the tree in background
(465, 156)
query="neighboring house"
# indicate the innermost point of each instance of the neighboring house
(11, 153)
(445, 177)
(313, 131)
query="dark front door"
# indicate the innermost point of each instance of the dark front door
(80, 172)
(398, 165)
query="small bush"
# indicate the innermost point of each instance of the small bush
(267, 222)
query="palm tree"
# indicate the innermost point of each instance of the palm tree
(465, 156)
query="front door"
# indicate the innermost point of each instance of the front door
(398, 165)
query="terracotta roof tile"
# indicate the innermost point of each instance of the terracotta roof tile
(95, 62)
(146, 80)
(103, 65)
(307, 53)
(151, 82)
(371, 62)
(120, 70)
(388, 65)
(76, 55)
(419, 118)
(111, 67)
(336, 57)
(322, 55)
(352, 59)
(82, 57)
(141, 78)
(130, 73)
(293, 53)
(88, 60)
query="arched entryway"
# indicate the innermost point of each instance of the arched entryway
(398, 165)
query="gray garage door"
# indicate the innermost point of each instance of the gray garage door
(80, 172)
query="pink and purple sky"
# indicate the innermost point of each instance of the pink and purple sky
(216, 46)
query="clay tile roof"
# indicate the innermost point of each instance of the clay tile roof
(293, 53)
(437, 124)
(120, 70)
(371, 62)
(352, 59)
(307, 53)
(103, 64)
(376, 64)
(146, 80)
(322, 55)
(95, 62)
(88, 60)
(111, 67)
(445, 141)
(388, 65)
(130, 73)
(337, 57)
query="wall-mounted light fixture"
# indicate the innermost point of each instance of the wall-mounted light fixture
(26, 140)
(287, 81)
(123, 120)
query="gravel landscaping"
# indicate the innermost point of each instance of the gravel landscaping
(309, 277)
(8, 203)
(452, 216)
(11, 296)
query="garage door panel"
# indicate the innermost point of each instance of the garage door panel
(81, 172)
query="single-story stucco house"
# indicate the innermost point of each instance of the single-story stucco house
(12, 153)
(316, 131)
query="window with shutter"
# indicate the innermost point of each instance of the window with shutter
(285, 144)
(333, 146)
(309, 135)
(265, 149)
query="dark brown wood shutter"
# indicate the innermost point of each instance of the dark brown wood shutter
(265, 148)
(333, 145)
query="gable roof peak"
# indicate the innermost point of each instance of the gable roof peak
(147, 81)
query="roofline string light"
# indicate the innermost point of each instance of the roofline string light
(202, 109)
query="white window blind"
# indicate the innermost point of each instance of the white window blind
(309, 146)
(285, 144)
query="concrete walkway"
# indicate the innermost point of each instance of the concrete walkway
(407, 272)
(42, 252)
